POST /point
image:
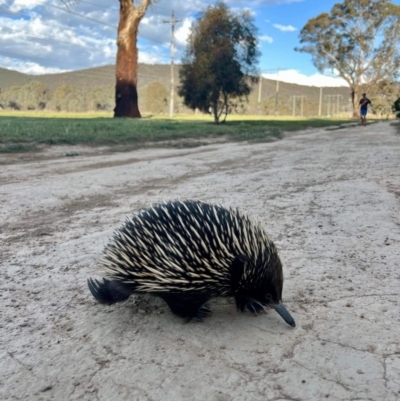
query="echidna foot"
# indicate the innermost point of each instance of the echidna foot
(255, 307)
(202, 312)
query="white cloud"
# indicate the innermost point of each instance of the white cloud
(149, 58)
(27, 67)
(18, 5)
(265, 38)
(295, 77)
(182, 33)
(44, 35)
(285, 28)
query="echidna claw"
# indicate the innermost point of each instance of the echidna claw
(194, 319)
(202, 312)
(255, 307)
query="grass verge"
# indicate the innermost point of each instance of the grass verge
(22, 134)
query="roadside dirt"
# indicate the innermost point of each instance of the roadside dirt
(330, 200)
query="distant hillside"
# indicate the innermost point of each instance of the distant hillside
(100, 80)
(11, 78)
(88, 78)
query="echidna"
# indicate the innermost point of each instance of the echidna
(187, 252)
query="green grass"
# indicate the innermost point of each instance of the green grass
(24, 132)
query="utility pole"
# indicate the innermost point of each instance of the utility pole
(172, 21)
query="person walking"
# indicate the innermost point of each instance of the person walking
(364, 102)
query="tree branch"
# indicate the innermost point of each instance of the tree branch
(142, 7)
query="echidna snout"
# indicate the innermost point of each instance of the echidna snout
(284, 314)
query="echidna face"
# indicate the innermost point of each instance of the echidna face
(269, 293)
(256, 287)
(258, 283)
(265, 294)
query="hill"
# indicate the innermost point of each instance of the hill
(11, 78)
(97, 83)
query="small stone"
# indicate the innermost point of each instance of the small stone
(348, 305)
(303, 381)
(222, 347)
(47, 388)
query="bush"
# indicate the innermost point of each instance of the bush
(396, 107)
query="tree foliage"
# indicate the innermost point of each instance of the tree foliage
(156, 98)
(382, 96)
(32, 96)
(220, 60)
(396, 107)
(358, 40)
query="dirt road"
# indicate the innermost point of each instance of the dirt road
(330, 200)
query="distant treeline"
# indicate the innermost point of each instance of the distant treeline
(36, 95)
(153, 98)
(93, 90)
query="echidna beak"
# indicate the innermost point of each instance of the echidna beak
(285, 315)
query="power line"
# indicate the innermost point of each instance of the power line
(45, 38)
(47, 24)
(84, 17)
(94, 20)
(78, 15)
(97, 5)
(151, 8)
(66, 10)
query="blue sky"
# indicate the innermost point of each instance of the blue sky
(40, 36)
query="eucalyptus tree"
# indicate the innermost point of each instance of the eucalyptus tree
(358, 40)
(130, 15)
(126, 97)
(220, 61)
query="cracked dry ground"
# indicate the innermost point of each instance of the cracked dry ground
(328, 199)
